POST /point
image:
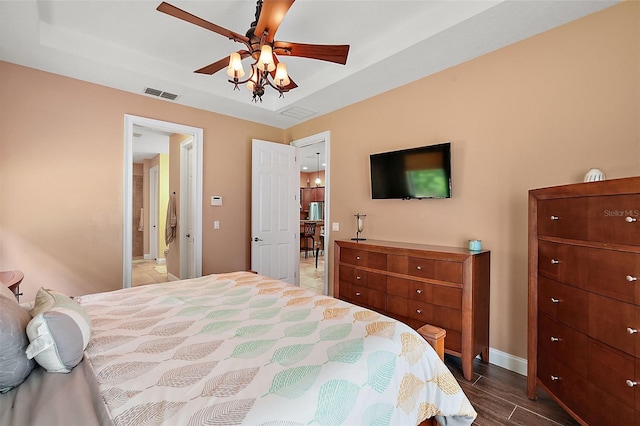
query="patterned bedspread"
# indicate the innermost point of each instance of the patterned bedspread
(244, 349)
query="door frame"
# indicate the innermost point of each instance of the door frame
(127, 211)
(311, 140)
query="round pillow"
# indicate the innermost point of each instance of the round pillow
(14, 364)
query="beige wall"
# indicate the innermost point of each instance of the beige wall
(61, 177)
(537, 113)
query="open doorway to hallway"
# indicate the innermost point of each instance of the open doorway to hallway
(314, 187)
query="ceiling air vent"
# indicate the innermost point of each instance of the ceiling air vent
(160, 93)
(297, 112)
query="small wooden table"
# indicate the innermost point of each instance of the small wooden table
(12, 279)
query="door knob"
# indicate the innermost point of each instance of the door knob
(188, 235)
(256, 239)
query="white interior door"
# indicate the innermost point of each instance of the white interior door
(153, 212)
(275, 219)
(187, 256)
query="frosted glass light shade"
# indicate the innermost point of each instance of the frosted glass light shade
(282, 78)
(253, 80)
(266, 58)
(235, 70)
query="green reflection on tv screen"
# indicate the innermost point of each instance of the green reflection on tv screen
(430, 183)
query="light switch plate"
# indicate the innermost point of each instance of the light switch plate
(335, 226)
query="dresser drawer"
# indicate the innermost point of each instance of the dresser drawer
(363, 296)
(564, 303)
(603, 405)
(566, 384)
(614, 274)
(435, 269)
(613, 322)
(441, 316)
(564, 217)
(559, 341)
(363, 278)
(370, 259)
(562, 262)
(612, 370)
(615, 219)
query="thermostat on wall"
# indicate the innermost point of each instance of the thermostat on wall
(216, 200)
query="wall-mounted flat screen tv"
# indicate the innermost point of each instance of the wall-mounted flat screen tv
(423, 172)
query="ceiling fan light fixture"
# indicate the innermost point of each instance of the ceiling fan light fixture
(253, 81)
(282, 78)
(235, 69)
(266, 63)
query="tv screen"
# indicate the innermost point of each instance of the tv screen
(423, 172)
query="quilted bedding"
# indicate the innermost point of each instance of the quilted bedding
(240, 348)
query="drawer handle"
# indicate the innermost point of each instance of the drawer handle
(358, 293)
(631, 383)
(554, 261)
(631, 330)
(555, 339)
(630, 219)
(554, 217)
(631, 279)
(554, 300)
(418, 291)
(418, 267)
(357, 257)
(419, 311)
(555, 378)
(358, 277)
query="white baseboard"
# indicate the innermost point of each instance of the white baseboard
(161, 261)
(508, 361)
(147, 256)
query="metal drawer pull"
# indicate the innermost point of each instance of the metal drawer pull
(554, 217)
(631, 330)
(357, 257)
(631, 383)
(554, 261)
(554, 300)
(358, 293)
(631, 279)
(418, 267)
(554, 339)
(419, 311)
(418, 291)
(358, 277)
(630, 219)
(555, 378)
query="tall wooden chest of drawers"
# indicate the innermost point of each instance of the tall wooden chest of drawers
(421, 284)
(584, 299)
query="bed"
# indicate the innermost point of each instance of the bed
(240, 348)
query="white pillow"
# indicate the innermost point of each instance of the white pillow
(59, 332)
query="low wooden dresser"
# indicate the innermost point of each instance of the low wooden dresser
(421, 284)
(584, 299)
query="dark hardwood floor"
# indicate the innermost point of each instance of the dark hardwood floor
(500, 397)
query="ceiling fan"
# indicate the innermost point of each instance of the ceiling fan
(260, 44)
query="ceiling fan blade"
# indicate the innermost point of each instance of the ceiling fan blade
(325, 52)
(271, 16)
(169, 9)
(218, 65)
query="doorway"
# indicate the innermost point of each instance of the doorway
(314, 190)
(191, 220)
